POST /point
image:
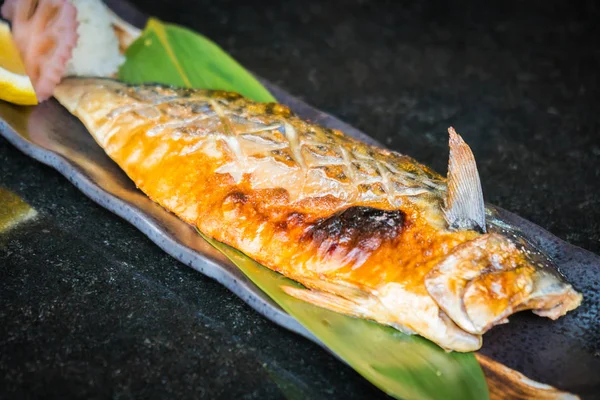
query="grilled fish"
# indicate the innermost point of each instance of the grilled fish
(369, 232)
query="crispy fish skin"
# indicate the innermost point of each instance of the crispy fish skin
(362, 228)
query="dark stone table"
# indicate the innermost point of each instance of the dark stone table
(90, 308)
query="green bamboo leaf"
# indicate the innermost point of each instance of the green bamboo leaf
(173, 55)
(404, 366)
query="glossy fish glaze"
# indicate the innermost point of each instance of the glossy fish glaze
(362, 228)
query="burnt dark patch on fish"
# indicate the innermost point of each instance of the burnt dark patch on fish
(237, 198)
(358, 227)
(277, 110)
(231, 96)
(295, 218)
(291, 220)
(269, 108)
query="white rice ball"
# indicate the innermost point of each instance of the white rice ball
(97, 50)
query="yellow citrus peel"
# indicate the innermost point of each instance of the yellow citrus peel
(15, 85)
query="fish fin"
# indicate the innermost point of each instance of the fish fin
(326, 300)
(464, 207)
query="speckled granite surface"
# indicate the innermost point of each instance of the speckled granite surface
(91, 308)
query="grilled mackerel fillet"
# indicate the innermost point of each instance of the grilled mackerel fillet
(369, 232)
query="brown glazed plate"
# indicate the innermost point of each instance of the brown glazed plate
(563, 353)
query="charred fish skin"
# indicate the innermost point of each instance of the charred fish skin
(370, 232)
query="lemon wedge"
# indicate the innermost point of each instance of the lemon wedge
(15, 85)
